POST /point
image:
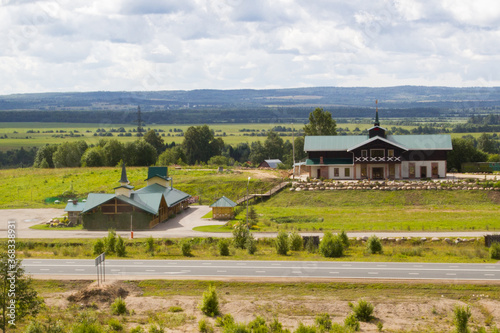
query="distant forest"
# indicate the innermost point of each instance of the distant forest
(248, 106)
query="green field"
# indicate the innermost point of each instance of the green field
(380, 211)
(29, 188)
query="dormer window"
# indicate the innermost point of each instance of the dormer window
(390, 153)
(377, 153)
(364, 153)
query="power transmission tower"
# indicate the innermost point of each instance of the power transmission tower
(139, 121)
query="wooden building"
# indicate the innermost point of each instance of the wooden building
(141, 209)
(377, 155)
(223, 209)
(273, 164)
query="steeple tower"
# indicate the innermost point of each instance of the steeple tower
(377, 123)
(124, 188)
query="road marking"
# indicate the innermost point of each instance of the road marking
(381, 265)
(260, 271)
(79, 269)
(451, 274)
(186, 271)
(150, 270)
(334, 272)
(171, 263)
(373, 273)
(44, 269)
(489, 274)
(454, 266)
(346, 265)
(296, 272)
(414, 273)
(221, 271)
(115, 270)
(417, 266)
(37, 262)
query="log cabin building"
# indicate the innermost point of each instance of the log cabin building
(140, 209)
(377, 155)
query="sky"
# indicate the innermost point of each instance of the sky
(149, 45)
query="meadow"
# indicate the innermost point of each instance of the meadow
(39, 188)
(379, 211)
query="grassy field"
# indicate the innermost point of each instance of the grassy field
(408, 251)
(380, 211)
(29, 188)
(174, 304)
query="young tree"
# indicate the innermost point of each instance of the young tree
(172, 156)
(93, 157)
(155, 140)
(464, 151)
(199, 144)
(14, 285)
(320, 123)
(281, 243)
(113, 152)
(43, 158)
(273, 146)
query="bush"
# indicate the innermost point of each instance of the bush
(110, 241)
(461, 320)
(276, 327)
(374, 245)
(98, 247)
(311, 246)
(251, 244)
(351, 322)
(363, 310)
(296, 242)
(210, 302)
(305, 329)
(323, 322)
(175, 309)
(119, 307)
(186, 249)
(120, 247)
(240, 235)
(225, 320)
(495, 251)
(331, 246)
(150, 245)
(115, 325)
(223, 246)
(87, 325)
(258, 325)
(281, 243)
(137, 329)
(205, 327)
(344, 239)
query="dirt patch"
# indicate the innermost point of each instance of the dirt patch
(104, 293)
(494, 196)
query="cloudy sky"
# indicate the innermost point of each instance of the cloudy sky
(86, 45)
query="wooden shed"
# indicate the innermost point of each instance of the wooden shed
(223, 209)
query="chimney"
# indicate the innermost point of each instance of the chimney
(75, 201)
(321, 160)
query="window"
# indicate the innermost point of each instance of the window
(392, 171)
(336, 172)
(390, 153)
(411, 170)
(347, 172)
(363, 171)
(364, 153)
(377, 153)
(435, 170)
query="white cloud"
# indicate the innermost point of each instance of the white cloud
(75, 45)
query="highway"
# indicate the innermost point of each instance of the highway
(139, 269)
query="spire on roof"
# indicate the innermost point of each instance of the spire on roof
(124, 180)
(377, 123)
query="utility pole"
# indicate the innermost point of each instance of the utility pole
(139, 121)
(248, 183)
(293, 151)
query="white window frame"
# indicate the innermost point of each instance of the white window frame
(377, 149)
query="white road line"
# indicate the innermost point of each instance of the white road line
(221, 271)
(414, 273)
(296, 272)
(334, 272)
(79, 269)
(489, 274)
(373, 273)
(44, 269)
(451, 274)
(115, 270)
(260, 271)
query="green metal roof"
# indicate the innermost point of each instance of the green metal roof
(315, 161)
(410, 142)
(332, 142)
(96, 199)
(172, 195)
(78, 207)
(161, 172)
(223, 202)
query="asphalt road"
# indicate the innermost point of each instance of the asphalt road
(130, 269)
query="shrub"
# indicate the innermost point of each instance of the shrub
(223, 246)
(110, 241)
(251, 244)
(87, 325)
(311, 246)
(98, 247)
(115, 325)
(210, 302)
(331, 246)
(323, 322)
(380, 326)
(351, 322)
(150, 245)
(276, 327)
(296, 242)
(175, 309)
(240, 235)
(461, 320)
(119, 307)
(281, 243)
(258, 325)
(363, 310)
(495, 251)
(225, 320)
(344, 239)
(34, 327)
(120, 247)
(205, 327)
(186, 249)
(305, 329)
(374, 245)
(137, 329)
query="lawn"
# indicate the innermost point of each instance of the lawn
(380, 211)
(34, 188)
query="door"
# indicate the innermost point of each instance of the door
(411, 170)
(423, 172)
(378, 173)
(318, 173)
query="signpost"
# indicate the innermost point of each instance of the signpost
(101, 269)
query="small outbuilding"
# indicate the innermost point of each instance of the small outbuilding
(223, 209)
(74, 208)
(273, 164)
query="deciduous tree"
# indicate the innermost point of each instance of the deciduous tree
(320, 123)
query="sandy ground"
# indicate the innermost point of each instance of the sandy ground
(403, 313)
